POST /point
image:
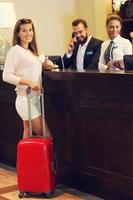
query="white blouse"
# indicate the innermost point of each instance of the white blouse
(21, 64)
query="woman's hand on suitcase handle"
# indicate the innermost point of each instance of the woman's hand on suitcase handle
(34, 86)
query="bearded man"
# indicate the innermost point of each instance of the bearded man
(83, 50)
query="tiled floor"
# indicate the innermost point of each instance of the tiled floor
(9, 190)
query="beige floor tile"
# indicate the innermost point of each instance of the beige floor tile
(9, 190)
(7, 178)
(64, 196)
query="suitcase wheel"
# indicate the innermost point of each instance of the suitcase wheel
(21, 195)
(49, 194)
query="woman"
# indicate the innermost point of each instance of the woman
(23, 68)
(113, 50)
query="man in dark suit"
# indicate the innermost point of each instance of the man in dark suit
(83, 50)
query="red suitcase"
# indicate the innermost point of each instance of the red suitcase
(35, 163)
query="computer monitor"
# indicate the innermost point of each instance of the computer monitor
(128, 63)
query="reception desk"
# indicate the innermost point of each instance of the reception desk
(90, 115)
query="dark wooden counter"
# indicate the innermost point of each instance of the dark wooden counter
(91, 117)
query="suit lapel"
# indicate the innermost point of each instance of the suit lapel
(89, 47)
(88, 51)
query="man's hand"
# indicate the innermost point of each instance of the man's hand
(111, 65)
(115, 65)
(71, 45)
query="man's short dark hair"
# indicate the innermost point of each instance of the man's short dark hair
(78, 21)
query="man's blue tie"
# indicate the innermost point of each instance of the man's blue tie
(108, 55)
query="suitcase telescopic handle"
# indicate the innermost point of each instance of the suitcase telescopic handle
(28, 91)
(29, 110)
(43, 113)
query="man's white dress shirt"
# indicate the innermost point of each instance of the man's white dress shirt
(80, 54)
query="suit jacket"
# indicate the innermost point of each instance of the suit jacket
(91, 56)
